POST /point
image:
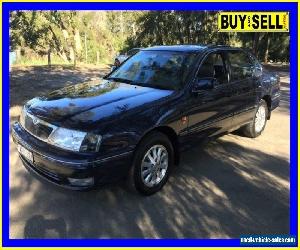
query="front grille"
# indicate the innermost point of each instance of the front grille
(36, 126)
(47, 173)
(41, 171)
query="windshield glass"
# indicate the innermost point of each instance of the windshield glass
(156, 69)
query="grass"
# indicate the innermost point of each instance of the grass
(55, 60)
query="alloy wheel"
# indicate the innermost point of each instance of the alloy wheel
(154, 165)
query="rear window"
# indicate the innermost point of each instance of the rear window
(241, 65)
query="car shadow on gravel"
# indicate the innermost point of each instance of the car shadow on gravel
(220, 190)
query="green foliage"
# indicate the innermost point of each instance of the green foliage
(79, 36)
(32, 60)
(200, 27)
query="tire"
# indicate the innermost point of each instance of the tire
(140, 173)
(254, 129)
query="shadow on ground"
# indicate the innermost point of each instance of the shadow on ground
(209, 195)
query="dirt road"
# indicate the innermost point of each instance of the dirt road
(232, 186)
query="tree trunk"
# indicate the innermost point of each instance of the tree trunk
(267, 48)
(85, 45)
(255, 43)
(205, 20)
(75, 58)
(63, 56)
(179, 33)
(98, 57)
(61, 53)
(49, 57)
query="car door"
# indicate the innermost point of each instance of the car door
(209, 108)
(243, 86)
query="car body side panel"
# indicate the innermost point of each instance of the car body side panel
(210, 111)
(271, 87)
(244, 101)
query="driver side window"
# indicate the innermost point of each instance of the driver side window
(213, 67)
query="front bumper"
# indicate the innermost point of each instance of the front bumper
(57, 166)
(275, 101)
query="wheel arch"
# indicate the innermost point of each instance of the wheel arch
(171, 134)
(268, 100)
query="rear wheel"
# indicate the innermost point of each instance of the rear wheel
(258, 123)
(152, 164)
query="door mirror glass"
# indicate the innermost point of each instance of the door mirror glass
(204, 84)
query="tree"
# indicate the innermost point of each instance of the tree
(109, 32)
(266, 56)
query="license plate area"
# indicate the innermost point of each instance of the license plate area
(26, 153)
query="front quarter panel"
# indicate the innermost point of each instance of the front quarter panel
(270, 84)
(125, 132)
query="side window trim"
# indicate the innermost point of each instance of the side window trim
(226, 65)
(229, 65)
(221, 52)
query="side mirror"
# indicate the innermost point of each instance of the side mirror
(257, 72)
(203, 84)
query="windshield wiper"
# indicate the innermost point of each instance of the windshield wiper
(136, 83)
(158, 86)
(117, 79)
(143, 84)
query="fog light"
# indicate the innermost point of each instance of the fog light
(82, 182)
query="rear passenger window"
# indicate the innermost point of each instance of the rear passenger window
(213, 67)
(241, 66)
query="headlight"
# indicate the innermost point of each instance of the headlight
(75, 140)
(69, 139)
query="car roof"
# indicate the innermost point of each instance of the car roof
(188, 47)
(182, 48)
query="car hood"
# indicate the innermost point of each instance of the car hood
(92, 101)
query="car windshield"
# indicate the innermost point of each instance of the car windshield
(156, 69)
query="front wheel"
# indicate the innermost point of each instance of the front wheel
(152, 164)
(258, 123)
